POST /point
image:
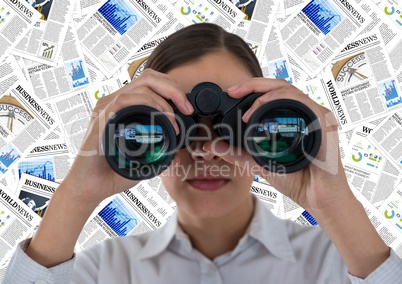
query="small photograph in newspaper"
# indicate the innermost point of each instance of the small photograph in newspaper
(36, 192)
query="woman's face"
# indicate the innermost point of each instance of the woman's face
(202, 184)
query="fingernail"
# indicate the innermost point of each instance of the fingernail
(176, 128)
(189, 106)
(246, 114)
(233, 88)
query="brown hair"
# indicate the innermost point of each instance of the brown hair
(195, 41)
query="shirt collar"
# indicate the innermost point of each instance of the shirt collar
(271, 232)
(266, 228)
(159, 239)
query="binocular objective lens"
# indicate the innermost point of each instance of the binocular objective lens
(283, 136)
(137, 142)
(280, 138)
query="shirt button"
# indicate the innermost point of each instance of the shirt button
(41, 282)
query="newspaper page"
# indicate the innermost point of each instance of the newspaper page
(388, 138)
(74, 112)
(277, 57)
(271, 198)
(17, 222)
(368, 169)
(319, 31)
(17, 18)
(390, 235)
(363, 82)
(134, 211)
(116, 30)
(392, 11)
(392, 208)
(44, 42)
(24, 120)
(9, 73)
(257, 23)
(36, 192)
(220, 12)
(48, 160)
(70, 75)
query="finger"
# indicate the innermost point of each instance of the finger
(256, 85)
(166, 87)
(147, 97)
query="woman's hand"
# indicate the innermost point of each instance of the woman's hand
(90, 178)
(323, 183)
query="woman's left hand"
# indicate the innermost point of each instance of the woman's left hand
(323, 182)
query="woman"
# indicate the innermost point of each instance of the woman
(219, 232)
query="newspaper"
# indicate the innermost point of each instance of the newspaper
(368, 169)
(277, 57)
(135, 211)
(44, 42)
(36, 192)
(257, 23)
(390, 235)
(220, 12)
(17, 18)
(361, 82)
(388, 138)
(9, 73)
(271, 198)
(320, 30)
(17, 222)
(116, 30)
(391, 208)
(390, 30)
(49, 160)
(70, 75)
(75, 112)
(24, 120)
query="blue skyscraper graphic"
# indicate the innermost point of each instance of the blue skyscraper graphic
(323, 14)
(118, 217)
(120, 15)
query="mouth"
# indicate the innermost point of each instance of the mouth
(207, 183)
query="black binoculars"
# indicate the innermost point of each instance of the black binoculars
(139, 142)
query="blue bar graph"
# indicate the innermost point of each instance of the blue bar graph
(119, 217)
(309, 218)
(43, 168)
(119, 14)
(323, 14)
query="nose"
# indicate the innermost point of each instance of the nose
(205, 134)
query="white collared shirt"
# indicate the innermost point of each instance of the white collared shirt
(271, 251)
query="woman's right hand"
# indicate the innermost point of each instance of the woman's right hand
(90, 178)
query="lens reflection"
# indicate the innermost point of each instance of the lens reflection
(280, 137)
(141, 142)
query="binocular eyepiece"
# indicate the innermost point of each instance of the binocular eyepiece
(139, 142)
